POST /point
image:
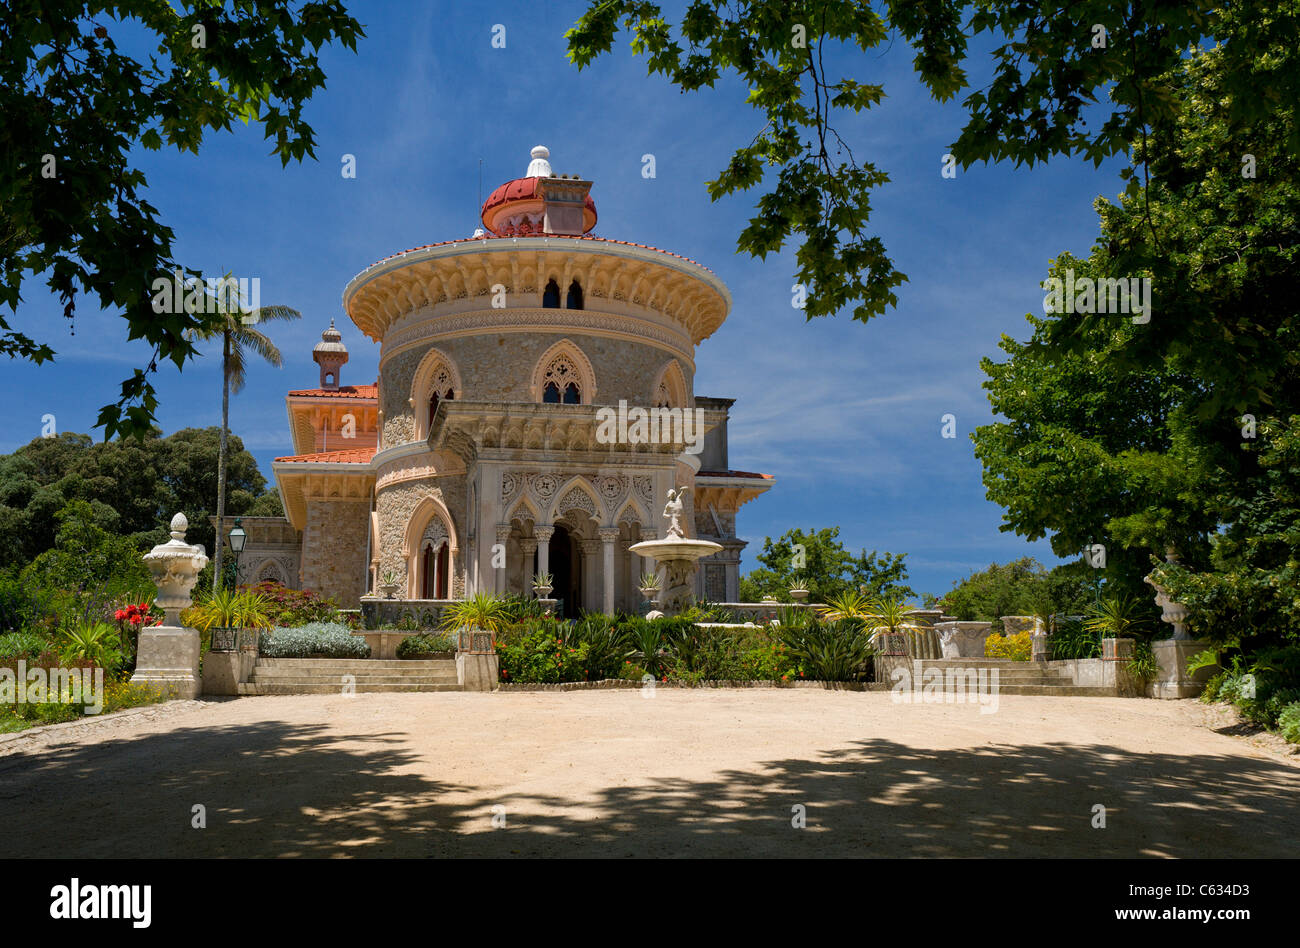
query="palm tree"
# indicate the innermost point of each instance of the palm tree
(230, 319)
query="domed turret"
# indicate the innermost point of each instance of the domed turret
(541, 202)
(330, 354)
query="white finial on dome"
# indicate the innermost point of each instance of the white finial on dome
(539, 167)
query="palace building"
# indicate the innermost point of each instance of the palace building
(478, 459)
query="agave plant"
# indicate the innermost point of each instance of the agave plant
(543, 579)
(482, 611)
(649, 581)
(829, 651)
(94, 642)
(1114, 618)
(892, 616)
(848, 605)
(228, 609)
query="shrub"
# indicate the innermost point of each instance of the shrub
(26, 645)
(1017, 648)
(316, 639)
(1288, 722)
(480, 611)
(829, 651)
(94, 642)
(414, 645)
(1073, 640)
(294, 608)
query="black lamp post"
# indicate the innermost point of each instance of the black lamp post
(237, 540)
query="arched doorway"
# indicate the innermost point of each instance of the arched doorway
(434, 571)
(566, 568)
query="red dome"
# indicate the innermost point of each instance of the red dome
(524, 195)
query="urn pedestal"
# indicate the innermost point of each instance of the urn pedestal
(167, 657)
(1174, 682)
(963, 639)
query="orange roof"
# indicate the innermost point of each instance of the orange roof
(350, 456)
(343, 391)
(766, 477)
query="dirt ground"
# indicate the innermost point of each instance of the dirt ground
(685, 773)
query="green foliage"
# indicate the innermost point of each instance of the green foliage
(1072, 639)
(829, 570)
(1046, 84)
(1143, 664)
(480, 611)
(1020, 588)
(829, 651)
(229, 609)
(87, 569)
(294, 607)
(314, 640)
(96, 643)
(603, 647)
(425, 644)
(133, 487)
(1115, 617)
(26, 645)
(1288, 722)
(1179, 431)
(1260, 687)
(88, 230)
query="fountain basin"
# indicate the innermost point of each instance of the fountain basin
(673, 549)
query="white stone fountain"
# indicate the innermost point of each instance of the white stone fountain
(678, 555)
(167, 657)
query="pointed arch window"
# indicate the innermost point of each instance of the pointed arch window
(574, 298)
(551, 295)
(562, 383)
(435, 399)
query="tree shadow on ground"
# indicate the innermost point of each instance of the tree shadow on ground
(273, 789)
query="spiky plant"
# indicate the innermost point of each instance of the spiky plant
(482, 611)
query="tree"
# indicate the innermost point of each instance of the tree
(1171, 433)
(77, 109)
(826, 568)
(1019, 588)
(133, 486)
(234, 325)
(1053, 65)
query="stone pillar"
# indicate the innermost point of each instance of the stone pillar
(528, 546)
(543, 535)
(167, 656)
(499, 572)
(589, 549)
(607, 537)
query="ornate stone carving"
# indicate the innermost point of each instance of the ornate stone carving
(576, 499)
(509, 484)
(673, 513)
(644, 489)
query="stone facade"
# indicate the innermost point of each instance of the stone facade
(334, 550)
(477, 460)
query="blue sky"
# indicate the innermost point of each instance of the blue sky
(845, 415)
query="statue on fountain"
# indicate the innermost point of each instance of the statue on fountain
(673, 513)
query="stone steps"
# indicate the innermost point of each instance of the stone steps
(322, 688)
(1017, 678)
(318, 676)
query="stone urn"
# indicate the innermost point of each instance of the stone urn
(543, 592)
(167, 656)
(963, 639)
(798, 594)
(388, 590)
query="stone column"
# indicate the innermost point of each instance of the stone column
(607, 537)
(589, 549)
(499, 572)
(528, 545)
(543, 535)
(453, 565)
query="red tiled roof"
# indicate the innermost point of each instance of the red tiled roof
(766, 477)
(343, 391)
(465, 240)
(350, 456)
(521, 189)
(525, 189)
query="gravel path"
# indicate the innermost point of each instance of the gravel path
(687, 772)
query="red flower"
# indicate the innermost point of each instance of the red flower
(119, 615)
